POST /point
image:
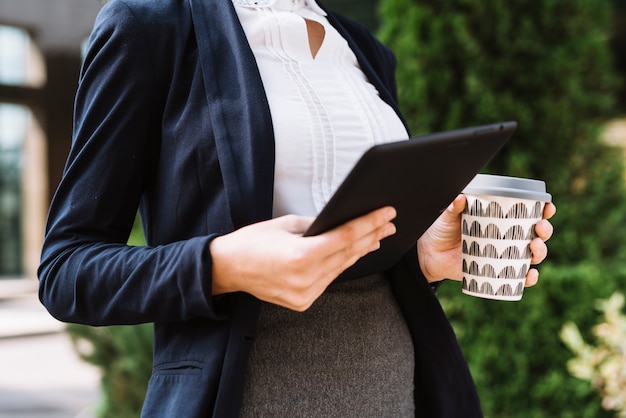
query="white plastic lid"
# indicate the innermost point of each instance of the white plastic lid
(488, 184)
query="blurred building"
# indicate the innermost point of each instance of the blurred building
(40, 55)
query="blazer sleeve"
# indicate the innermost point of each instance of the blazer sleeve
(87, 273)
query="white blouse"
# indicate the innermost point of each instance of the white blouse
(324, 111)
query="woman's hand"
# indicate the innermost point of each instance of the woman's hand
(439, 249)
(274, 262)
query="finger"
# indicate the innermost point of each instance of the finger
(352, 231)
(303, 293)
(295, 224)
(458, 205)
(333, 252)
(539, 251)
(544, 229)
(452, 213)
(349, 254)
(549, 210)
(357, 242)
(300, 298)
(532, 277)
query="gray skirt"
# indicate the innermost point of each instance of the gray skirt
(349, 355)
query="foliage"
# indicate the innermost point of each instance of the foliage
(514, 350)
(546, 64)
(604, 364)
(618, 46)
(124, 356)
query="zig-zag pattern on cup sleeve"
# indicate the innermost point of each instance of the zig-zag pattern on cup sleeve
(494, 210)
(490, 251)
(488, 270)
(487, 289)
(492, 231)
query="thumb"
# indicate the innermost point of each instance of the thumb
(294, 224)
(448, 221)
(457, 206)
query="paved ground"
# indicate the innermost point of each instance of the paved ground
(40, 374)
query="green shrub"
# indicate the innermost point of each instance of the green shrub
(602, 363)
(516, 356)
(124, 356)
(546, 64)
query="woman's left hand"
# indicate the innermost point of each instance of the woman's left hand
(439, 249)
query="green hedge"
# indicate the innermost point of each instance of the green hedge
(124, 356)
(514, 350)
(546, 64)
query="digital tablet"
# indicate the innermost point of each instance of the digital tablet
(420, 177)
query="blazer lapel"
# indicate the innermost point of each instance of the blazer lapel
(239, 110)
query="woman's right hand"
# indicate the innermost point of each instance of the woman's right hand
(273, 261)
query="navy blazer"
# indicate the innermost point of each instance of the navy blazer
(171, 117)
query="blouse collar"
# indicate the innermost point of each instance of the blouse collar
(286, 5)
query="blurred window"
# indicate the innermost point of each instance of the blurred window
(22, 68)
(13, 124)
(14, 47)
(21, 62)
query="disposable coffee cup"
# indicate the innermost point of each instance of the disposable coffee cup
(498, 225)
